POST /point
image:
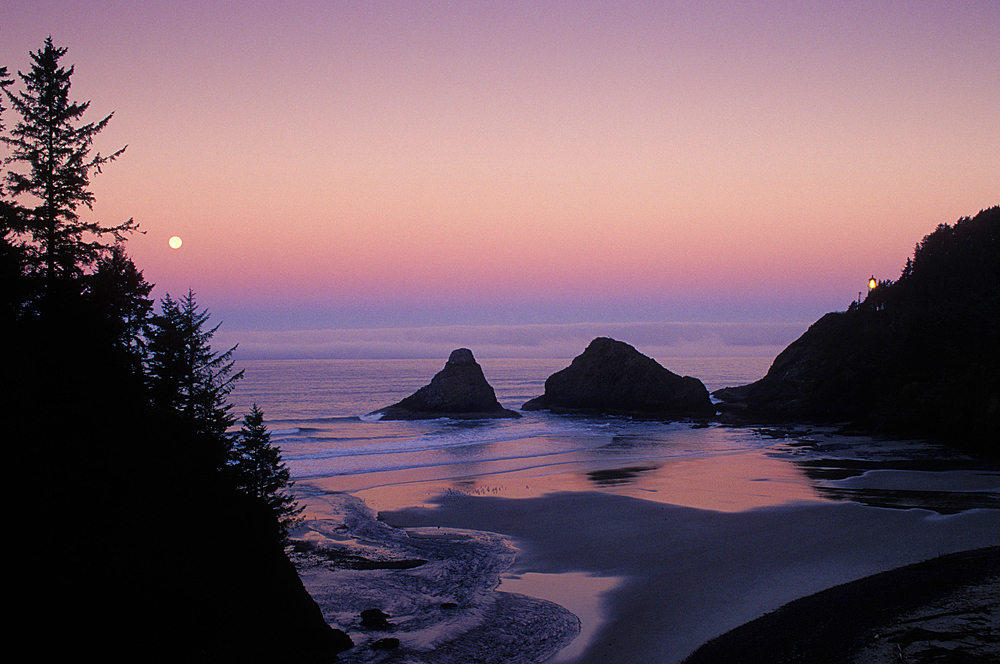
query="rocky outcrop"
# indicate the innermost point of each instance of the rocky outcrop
(612, 377)
(459, 391)
(919, 356)
(818, 377)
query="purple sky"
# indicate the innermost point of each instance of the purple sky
(341, 165)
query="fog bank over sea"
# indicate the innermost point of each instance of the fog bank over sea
(515, 341)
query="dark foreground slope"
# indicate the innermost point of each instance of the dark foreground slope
(919, 356)
(127, 547)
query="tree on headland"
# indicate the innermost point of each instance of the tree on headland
(50, 142)
(124, 411)
(260, 472)
(118, 293)
(186, 376)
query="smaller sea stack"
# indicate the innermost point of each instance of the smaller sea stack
(459, 391)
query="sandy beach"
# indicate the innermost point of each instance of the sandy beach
(619, 573)
(943, 610)
(682, 580)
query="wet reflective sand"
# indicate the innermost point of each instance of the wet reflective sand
(657, 554)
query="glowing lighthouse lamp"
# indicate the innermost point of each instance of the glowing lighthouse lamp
(872, 284)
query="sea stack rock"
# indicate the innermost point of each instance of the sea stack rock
(614, 378)
(459, 391)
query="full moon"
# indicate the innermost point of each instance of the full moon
(175, 242)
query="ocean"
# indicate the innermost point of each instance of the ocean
(316, 413)
(554, 538)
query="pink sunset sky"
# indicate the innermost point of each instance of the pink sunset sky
(342, 166)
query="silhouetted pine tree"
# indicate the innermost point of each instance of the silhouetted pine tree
(126, 414)
(186, 376)
(5, 81)
(56, 151)
(12, 254)
(260, 472)
(118, 294)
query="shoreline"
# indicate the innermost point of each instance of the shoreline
(437, 589)
(683, 582)
(664, 579)
(908, 613)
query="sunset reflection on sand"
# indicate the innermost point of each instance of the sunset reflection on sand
(725, 482)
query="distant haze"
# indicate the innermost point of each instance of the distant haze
(442, 166)
(517, 341)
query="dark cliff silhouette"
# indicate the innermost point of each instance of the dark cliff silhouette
(136, 534)
(919, 356)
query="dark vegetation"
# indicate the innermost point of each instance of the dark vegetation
(146, 530)
(918, 356)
